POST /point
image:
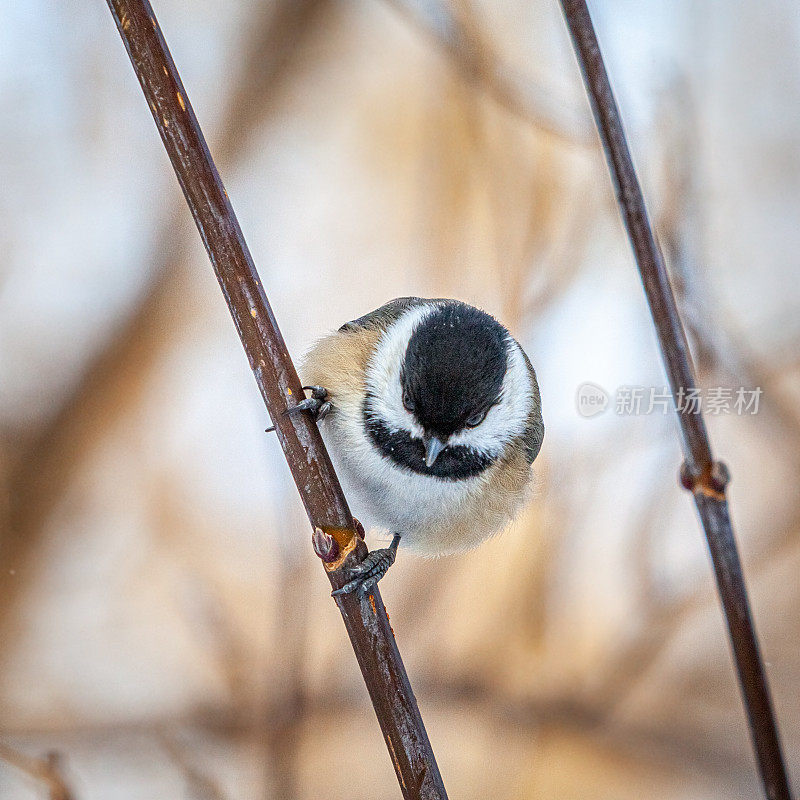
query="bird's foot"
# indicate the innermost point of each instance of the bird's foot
(365, 576)
(318, 404)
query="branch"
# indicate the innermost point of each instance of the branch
(364, 616)
(704, 477)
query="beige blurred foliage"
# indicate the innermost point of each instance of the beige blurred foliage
(165, 629)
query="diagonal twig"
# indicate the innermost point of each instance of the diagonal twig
(704, 477)
(364, 616)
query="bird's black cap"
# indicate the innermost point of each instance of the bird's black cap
(454, 367)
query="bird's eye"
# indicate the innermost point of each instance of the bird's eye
(476, 419)
(408, 403)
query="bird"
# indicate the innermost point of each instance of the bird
(432, 416)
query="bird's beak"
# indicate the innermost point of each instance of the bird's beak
(433, 446)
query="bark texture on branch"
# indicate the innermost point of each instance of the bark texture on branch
(335, 533)
(701, 475)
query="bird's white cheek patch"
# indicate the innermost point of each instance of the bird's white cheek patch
(383, 373)
(506, 420)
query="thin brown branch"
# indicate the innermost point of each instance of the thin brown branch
(706, 478)
(364, 615)
(45, 770)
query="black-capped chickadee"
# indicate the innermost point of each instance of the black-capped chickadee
(432, 416)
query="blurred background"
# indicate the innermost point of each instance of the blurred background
(166, 629)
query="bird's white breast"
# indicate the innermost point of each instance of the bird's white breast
(384, 495)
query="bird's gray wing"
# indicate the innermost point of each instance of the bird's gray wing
(384, 316)
(534, 430)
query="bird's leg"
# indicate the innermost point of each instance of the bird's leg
(318, 404)
(365, 576)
